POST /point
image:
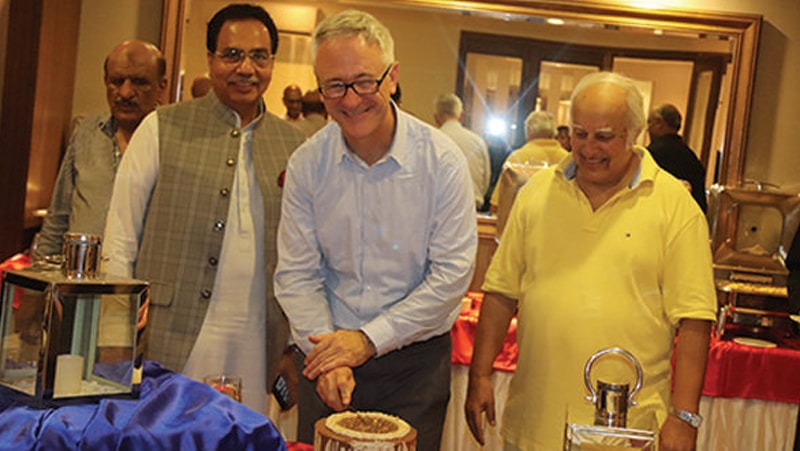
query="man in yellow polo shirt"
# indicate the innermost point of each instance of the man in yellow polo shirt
(603, 250)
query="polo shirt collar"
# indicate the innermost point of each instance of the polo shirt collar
(646, 171)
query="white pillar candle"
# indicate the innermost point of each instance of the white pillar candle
(69, 374)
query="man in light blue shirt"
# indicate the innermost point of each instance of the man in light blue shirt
(376, 243)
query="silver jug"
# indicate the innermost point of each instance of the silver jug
(611, 401)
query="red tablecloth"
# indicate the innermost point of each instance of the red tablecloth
(740, 371)
(19, 261)
(463, 335)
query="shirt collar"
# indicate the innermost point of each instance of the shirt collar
(109, 126)
(397, 150)
(229, 115)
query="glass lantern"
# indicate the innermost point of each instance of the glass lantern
(51, 342)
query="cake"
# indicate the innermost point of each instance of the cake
(363, 431)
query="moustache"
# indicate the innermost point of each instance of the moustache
(126, 103)
(239, 79)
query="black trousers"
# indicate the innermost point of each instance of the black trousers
(412, 383)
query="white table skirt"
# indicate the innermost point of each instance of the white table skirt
(730, 424)
(456, 435)
(746, 424)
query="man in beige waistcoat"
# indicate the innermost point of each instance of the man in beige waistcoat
(195, 211)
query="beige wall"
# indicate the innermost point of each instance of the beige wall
(103, 25)
(773, 133)
(427, 65)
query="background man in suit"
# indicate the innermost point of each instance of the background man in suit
(671, 152)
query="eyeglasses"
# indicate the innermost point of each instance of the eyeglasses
(260, 57)
(603, 135)
(362, 87)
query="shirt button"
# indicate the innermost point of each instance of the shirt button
(219, 225)
(235, 133)
(224, 192)
(212, 261)
(205, 294)
(230, 161)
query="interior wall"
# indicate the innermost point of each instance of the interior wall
(104, 24)
(773, 133)
(671, 82)
(427, 67)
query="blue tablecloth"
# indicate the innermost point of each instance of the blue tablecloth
(173, 413)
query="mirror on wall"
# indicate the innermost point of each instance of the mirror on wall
(705, 62)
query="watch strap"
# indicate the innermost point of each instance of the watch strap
(693, 419)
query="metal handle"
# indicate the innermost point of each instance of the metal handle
(590, 363)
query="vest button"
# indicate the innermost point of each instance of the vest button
(205, 294)
(224, 192)
(235, 133)
(230, 161)
(212, 261)
(219, 225)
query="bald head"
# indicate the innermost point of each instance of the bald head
(293, 100)
(663, 120)
(134, 74)
(135, 50)
(312, 103)
(200, 86)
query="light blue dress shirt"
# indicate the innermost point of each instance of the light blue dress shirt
(388, 249)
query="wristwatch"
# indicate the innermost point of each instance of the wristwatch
(694, 419)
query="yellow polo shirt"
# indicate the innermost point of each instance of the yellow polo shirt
(534, 151)
(621, 276)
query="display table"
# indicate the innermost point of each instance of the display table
(750, 396)
(173, 412)
(456, 434)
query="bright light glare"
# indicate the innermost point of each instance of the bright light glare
(496, 126)
(554, 21)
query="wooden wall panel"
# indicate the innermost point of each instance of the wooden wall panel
(37, 99)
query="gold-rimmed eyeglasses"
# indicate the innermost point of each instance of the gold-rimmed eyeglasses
(260, 57)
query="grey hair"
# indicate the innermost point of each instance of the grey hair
(355, 23)
(540, 124)
(670, 114)
(448, 105)
(635, 117)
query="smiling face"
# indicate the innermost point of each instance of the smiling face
(599, 137)
(240, 85)
(367, 121)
